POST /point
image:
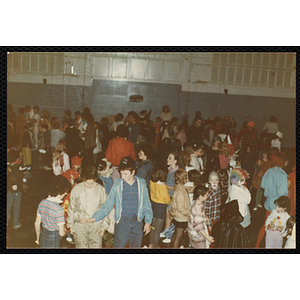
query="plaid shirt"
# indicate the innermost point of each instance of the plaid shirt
(212, 205)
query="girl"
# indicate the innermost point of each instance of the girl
(61, 162)
(166, 114)
(51, 214)
(160, 199)
(261, 165)
(165, 130)
(174, 162)
(276, 222)
(180, 207)
(194, 179)
(289, 239)
(197, 225)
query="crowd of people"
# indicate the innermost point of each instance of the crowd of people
(131, 177)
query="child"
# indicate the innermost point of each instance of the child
(180, 207)
(166, 114)
(276, 143)
(104, 173)
(228, 232)
(289, 238)
(197, 226)
(157, 126)
(27, 144)
(160, 199)
(61, 161)
(14, 187)
(276, 222)
(98, 147)
(181, 135)
(240, 193)
(86, 198)
(130, 197)
(261, 165)
(213, 203)
(194, 179)
(174, 162)
(165, 130)
(51, 215)
(73, 175)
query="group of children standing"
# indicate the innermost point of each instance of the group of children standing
(197, 190)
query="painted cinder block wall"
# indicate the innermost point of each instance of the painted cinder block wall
(107, 97)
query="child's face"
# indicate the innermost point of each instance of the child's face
(158, 120)
(214, 184)
(76, 167)
(127, 175)
(280, 209)
(199, 152)
(264, 156)
(171, 160)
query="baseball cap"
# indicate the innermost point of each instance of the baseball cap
(127, 162)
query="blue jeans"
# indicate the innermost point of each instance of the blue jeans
(14, 199)
(49, 239)
(128, 230)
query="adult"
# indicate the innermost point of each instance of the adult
(73, 141)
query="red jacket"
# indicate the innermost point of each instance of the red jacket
(118, 148)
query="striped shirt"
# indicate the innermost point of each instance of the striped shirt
(130, 199)
(51, 213)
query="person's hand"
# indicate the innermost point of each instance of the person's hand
(84, 220)
(147, 228)
(71, 230)
(90, 220)
(101, 231)
(209, 228)
(211, 239)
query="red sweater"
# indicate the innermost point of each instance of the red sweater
(118, 148)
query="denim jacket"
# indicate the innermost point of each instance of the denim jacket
(115, 199)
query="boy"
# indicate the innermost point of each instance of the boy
(213, 203)
(86, 198)
(51, 214)
(276, 222)
(130, 197)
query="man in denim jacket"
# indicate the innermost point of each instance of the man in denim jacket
(129, 196)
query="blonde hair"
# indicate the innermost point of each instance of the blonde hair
(180, 176)
(61, 147)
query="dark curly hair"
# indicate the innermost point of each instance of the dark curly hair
(58, 186)
(147, 149)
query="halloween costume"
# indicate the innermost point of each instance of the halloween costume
(227, 232)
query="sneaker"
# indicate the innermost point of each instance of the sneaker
(162, 234)
(145, 247)
(259, 205)
(166, 241)
(255, 209)
(18, 226)
(22, 168)
(47, 168)
(70, 240)
(181, 247)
